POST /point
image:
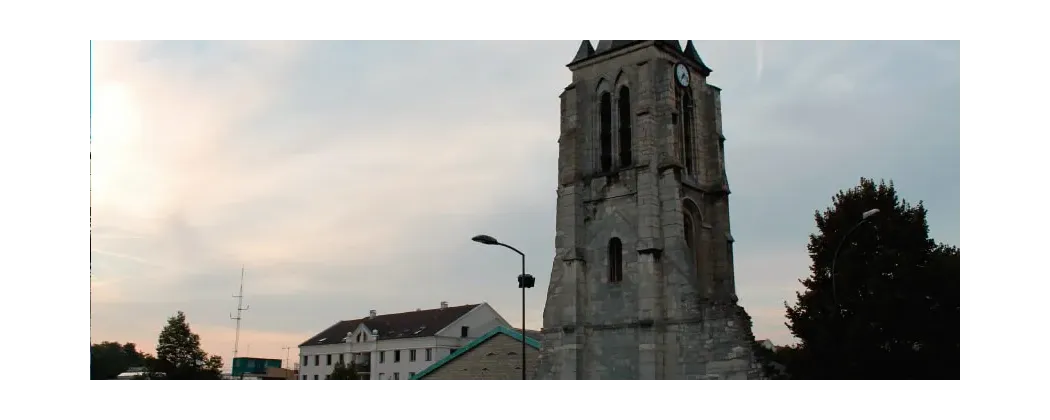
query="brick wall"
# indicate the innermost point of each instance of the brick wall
(491, 360)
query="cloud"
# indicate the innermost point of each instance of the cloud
(350, 176)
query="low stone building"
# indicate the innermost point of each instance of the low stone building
(495, 355)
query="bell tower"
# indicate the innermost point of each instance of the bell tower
(642, 283)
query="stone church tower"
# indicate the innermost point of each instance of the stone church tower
(642, 285)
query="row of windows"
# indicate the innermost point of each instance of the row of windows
(395, 376)
(428, 356)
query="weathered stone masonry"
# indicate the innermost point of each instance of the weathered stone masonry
(665, 306)
(498, 358)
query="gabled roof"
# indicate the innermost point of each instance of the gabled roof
(422, 323)
(512, 333)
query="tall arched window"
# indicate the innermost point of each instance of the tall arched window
(615, 260)
(625, 126)
(605, 131)
(685, 107)
(691, 218)
(690, 234)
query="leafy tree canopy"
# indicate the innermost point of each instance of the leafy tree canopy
(109, 359)
(891, 310)
(179, 354)
(344, 372)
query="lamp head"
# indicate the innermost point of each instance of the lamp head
(869, 213)
(485, 239)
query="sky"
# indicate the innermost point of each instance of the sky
(350, 176)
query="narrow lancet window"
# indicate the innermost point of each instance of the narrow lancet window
(615, 260)
(604, 131)
(625, 126)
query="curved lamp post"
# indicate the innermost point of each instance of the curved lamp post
(525, 281)
(375, 362)
(863, 218)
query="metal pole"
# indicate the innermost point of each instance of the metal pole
(524, 281)
(523, 336)
(834, 259)
(834, 288)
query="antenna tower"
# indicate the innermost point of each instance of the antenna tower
(240, 301)
(287, 352)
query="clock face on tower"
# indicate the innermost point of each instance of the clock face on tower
(681, 74)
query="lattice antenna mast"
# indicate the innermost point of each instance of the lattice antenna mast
(287, 355)
(240, 308)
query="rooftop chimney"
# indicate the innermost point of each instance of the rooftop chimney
(372, 314)
(444, 305)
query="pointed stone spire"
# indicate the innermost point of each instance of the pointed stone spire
(603, 46)
(690, 52)
(585, 51)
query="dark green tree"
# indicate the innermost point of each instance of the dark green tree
(109, 359)
(891, 311)
(343, 372)
(774, 362)
(179, 354)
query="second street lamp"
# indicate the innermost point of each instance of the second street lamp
(525, 281)
(863, 218)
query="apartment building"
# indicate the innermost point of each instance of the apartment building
(395, 346)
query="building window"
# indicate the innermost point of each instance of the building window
(341, 360)
(397, 357)
(625, 126)
(315, 377)
(429, 354)
(615, 260)
(687, 220)
(382, 357)
(690, 217)
(328, 359)
(452, 350)
(411, 355)
(605, 132)
(306, 360)
(397, 376)
(304, 377)
(381, 376)
(327, 377)
(464, 331)
(411, 374)
(317, 360)
(685, 133)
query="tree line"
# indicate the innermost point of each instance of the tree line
(179, 356)
(882, 298)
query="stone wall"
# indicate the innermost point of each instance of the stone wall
(497, 358)
(670, 317)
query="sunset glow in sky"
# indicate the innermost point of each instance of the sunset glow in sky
(346, 178)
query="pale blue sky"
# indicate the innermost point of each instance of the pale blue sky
(350, 176)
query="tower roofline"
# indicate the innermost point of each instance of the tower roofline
(605, 49)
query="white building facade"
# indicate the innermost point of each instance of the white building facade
(406, 342)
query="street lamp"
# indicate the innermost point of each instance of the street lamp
(863, 218)
(375, 362)
(525, 281)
